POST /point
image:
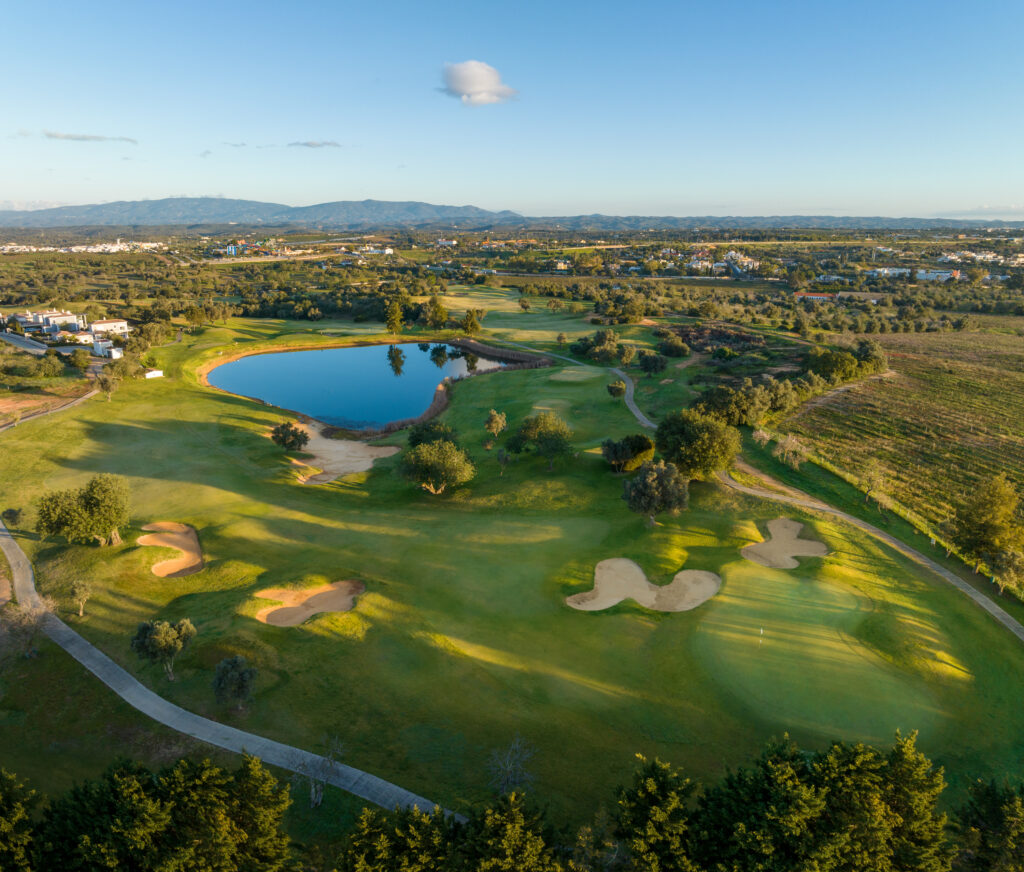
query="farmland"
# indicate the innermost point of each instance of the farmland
(948, 419)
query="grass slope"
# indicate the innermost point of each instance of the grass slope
(463, 640)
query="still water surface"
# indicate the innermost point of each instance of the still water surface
(359, 387)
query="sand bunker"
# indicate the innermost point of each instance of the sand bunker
(618, 579)
(783, 546)
(300, 605)
(667, 381)
(169, 534)
(337, 457)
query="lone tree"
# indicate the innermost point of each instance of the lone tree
(697, 444)
(617, 388)
(657, 488)
(987, 523)
(629, 453)
(81, 590)
(652, 363)
(436, 466)
(470, 324)
(289, 437)
(106, 384)
(96, 512)
(233, 680)
(547, 434)
(496, 422)
(430, 431)
(161, 642)
(393, 317)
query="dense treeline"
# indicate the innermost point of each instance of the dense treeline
(848, 808)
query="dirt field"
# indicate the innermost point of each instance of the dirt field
(783, 546)
(617, 579)
(297, 606)
(169, 534)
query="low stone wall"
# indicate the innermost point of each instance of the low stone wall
(505, 355)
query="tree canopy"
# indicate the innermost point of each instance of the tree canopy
(436, 466)
(697, 444)
(95, 512)
(546, 433)
(161, 642)
(658, 487)
(289, 436)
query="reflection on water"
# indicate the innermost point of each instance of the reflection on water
(364, 386)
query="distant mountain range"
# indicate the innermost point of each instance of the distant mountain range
(365, 214)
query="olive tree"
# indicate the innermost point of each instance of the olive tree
(658, 487)
(697, 444)
(496, 422)
(161, 642)
(95, 512)
(617, 388)
(289, 436)
(233, 680)
(436, 466)
(546, 433)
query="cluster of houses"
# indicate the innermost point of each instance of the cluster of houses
(118, 247)
(61, 326)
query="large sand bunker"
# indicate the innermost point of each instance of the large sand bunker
(783, 546)
(297, 606)
(618, 579)
(169, 534)
(337, 457)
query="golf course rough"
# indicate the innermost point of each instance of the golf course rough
(466, 597)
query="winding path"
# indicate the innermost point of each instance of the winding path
(630, 402)
(362, 784)
(806, 502)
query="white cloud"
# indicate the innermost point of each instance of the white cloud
(315, 143)
(206, 153)
(88, 137)
(475, 83)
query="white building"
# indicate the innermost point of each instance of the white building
(116, 326)
(106, 348)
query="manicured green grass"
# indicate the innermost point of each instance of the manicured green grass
(463, 640)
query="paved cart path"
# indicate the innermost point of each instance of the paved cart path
(362, 784)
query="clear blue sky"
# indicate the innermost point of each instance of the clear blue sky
(903, 107)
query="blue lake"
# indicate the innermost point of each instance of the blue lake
(359, 387)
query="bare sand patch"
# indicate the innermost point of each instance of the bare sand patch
(647, 322)
(297, 606)
(783, 546)
(617, 579)
(337, 457)
(666, 381)
(170, 534)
